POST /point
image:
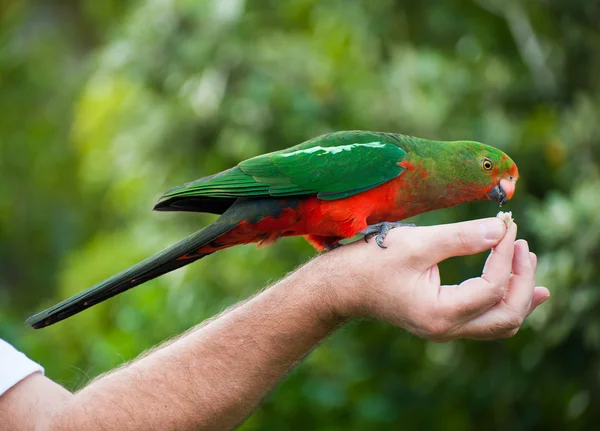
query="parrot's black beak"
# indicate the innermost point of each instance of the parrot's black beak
(498, 194)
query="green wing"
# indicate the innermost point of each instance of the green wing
(331, 166)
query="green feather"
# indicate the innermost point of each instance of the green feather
(332, 166)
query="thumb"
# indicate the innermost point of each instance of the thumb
(437, 243)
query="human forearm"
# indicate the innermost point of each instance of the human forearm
(215, 375)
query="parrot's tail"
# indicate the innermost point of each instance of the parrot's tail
(180, 254)
(152, 267)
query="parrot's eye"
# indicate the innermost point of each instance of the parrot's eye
(487, 164)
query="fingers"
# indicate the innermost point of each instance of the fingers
(520, 290)
(500, 321)
(497, 269)
(522, 297)
(437, 243)
(540, 295)
(468, 300)
(473, 297)
(491, 306)
(533, 259)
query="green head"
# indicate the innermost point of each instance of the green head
(491, 172)
(463, 171)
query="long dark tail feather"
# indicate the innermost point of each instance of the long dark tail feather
(200, 204)
(152, 267)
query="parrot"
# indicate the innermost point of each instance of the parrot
(331, 188)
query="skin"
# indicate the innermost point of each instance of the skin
(212, 377)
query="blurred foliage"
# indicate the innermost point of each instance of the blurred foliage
(103, 105)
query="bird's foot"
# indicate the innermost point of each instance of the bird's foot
(380, 230)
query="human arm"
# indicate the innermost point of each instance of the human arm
(213, 376)
(17, 372)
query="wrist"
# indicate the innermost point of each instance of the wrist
(337, 285)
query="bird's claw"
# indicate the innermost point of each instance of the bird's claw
(380, 231)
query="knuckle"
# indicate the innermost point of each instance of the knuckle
(506, 327)
(497, 289)
(513, 321)
(463, 239)
(441, 310)
(437, 328)
(448, 311)
(412, 250)
(510, 333)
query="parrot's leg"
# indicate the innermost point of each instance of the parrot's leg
(324, 243)
(380, 230)
(332, 246)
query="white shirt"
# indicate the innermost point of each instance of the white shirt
(14, 366)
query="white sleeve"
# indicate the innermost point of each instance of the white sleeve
(14, 366)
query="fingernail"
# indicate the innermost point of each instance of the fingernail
(523, 247)
(492, 229)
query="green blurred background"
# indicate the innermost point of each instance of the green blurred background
(105, 104)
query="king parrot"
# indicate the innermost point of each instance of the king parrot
(327, 189)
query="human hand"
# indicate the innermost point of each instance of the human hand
(401, 284)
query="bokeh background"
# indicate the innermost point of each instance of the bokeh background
(105, 104)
